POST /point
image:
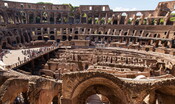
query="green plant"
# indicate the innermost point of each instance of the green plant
(44, 3)
(161, 21)
(172, 19)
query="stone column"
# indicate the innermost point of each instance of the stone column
(99, 19)
(34, 20)
(134, 19)
(67, 30)
(106, 19)
(79, 30)
(55, 18)
(80, 19)
(27, 17)
(61, 30)
(42, 31)
(112, 19)
(14, 18)
(166, 18)
(126, 19)
(48, 17)
(62, 18)
(119, 19)
(73, 30)
(48, 30)
(93, 19)
(41, 17)
(87, 19)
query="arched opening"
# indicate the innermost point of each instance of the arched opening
(21, 99)
(76, 37)
(123, 17)
(52, 37)
(64, 38)
(109, 20)
(22, 40)
(145, 21)
(51, 20)
(115, 21)
(172, 18)
(84, 16)
(155, 35)
(8, 40)
(14, 43)
(38, 19)
(58, 19)
(17, 39)
(23, 16)
(86, 66)
(40, 38)
(4, 45)
(124, 14)
(55, 100)
(102, 21)
(125, 33)
(130, 20)
(77, 18)
(70, 38)
(58, 40)
(44, 17)
(96, 20)
(31, 18)
(139, 14)
(46, 38)
(76, 32)
(26, 37)
(87, 38)
(137, 21)
(90, 20)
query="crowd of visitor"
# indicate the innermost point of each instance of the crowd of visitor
(3, 52)
(34, 52)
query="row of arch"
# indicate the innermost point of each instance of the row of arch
(44, 17)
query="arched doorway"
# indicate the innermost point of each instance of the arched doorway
(4, 45)
(21, 99)
(52, 37)
(55, 100)
(76, 37)
(64, 38)
(70, 38)
(40, 38)
(58, 40)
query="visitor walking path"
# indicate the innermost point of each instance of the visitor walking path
(15, 58)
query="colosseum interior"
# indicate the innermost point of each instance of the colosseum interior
(90, 54)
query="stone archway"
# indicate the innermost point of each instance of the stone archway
(89, 84)
(13, 88)
(161, 95)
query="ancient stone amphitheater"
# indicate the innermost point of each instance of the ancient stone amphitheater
(90, 54)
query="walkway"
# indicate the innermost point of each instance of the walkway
(16, 58)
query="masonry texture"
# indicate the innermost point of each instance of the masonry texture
(90, 54)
